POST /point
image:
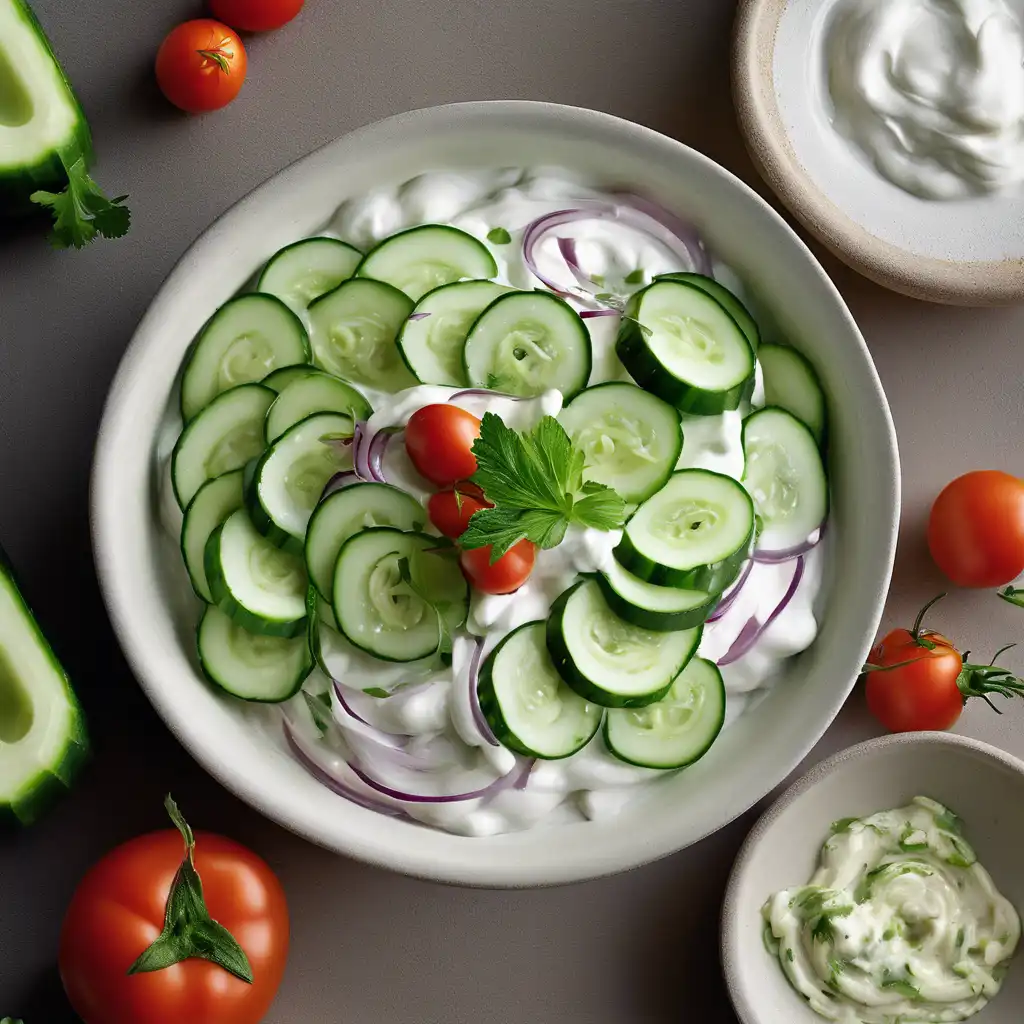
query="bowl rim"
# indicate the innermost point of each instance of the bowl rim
(731, 910)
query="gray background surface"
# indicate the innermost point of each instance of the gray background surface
(370, 947)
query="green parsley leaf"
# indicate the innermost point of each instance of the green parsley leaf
(635, 276)
(1014, 595)
(82, 211)
(499, 236)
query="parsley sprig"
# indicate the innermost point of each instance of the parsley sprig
(82, 211)
(535, 482)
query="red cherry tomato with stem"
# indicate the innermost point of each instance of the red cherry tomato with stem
(201, 65)
(439, 440)
(255, 15)
(450, 511)
(505, 575)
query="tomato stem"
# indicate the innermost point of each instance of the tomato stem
(916, 631)
(1013, 595)
(219, 57)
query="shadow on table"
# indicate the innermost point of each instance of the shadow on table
(45, 1001)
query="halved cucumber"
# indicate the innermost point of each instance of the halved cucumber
(347, 512)
(313, 393)
(224, 436)
(791, 383)
(432, 341)
(631, 440)
(678, 343)
(43, 742)
(650, 606)
(378, 611)
(353, 334)
(676, 731)
(307, 269)
(695, 533)
(526, 343)
(291, 475)
(421, 259)
(254, 582)
(527, 703)
(269, 669)
(725, 298)
(247, 338)
(213, 503)
(785, 477)
(608, 661)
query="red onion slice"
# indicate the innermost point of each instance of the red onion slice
(680, 229)
(418, 316)
(474, 695)
(786, 554)
(375, 452)
(590, 314)
(338, 481)
(731, 592)
(752, 631)
(408, 795)
(567, 247)
(360, 445)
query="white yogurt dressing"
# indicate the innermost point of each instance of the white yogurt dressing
(931, 91)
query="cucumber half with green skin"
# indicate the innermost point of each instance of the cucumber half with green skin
(791, 383)
(43, 741)
(526, 702)
(309, 394)
(650, 606)
(213, 503)
(725, 298)
(307, 269)
(680, 344)
(605, 659)
(676, 731)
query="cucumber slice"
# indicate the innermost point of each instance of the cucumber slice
(678, 343)
(278, 380)
(345, 513)
(268, 669)
(378, 612)
(354, 330)
(307, 269)
(527, 343)
(527, 704)
(676, 731)
(785, 477)
(247, 338)
(213, 503)
(431, 344)
(725, 298)
(421, 259)
(608, 661)
(695, 533)
(313, 393)
(291, 476)
(631, 440)
(256, 584)
(649, 606)
(791, 383)
(223, 437)
(43, 742)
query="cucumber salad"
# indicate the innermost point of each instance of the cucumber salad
(500, 498)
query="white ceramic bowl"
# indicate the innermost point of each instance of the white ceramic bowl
(984, 785)
(155, 628)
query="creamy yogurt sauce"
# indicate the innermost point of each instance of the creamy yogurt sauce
(899, 923)
(931, 91)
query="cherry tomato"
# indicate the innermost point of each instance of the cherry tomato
(201, 65)
(451, 512)
(508, 573)
(976, 529)
(118, 911)
(439, 439)
(256, 15)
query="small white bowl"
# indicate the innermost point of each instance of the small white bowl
(982, 784)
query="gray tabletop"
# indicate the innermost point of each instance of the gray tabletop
(370, 947)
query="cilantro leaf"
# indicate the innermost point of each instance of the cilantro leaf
(82, 211)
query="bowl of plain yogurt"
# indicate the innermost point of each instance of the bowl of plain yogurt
(546, 742)
(883, 885)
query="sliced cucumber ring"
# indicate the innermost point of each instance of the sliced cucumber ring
(791, 383)
(726, 299)
(676, 731)
(223, 437)
(268, 669)
(678, 343)
(353, 334)
(527, 343)
(256, 584)
(630, 439)
(421, 259)
(313, 393)
(307, 269)
(213, 503)
(695, 533)
(247, 338)
(432, 341)
(291, 476)
(649, 606)
(278, 380)
(608, 661)
(347, 512)
(527, 703)
(378, 611)
(786, 478)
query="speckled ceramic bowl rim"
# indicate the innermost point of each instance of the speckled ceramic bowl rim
(967, 283)
(731, 910)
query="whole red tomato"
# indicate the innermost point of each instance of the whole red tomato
(118, 913)
(976, 529)
(439, 440)
(505, 575)
(201, 65)
(450, 511)
(256, 15)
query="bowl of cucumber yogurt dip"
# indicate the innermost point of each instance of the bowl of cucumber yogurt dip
(457, 668)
